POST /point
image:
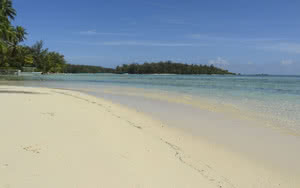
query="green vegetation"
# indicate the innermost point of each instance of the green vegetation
(148, 68)
(86, 69)
(169, 68)
(16, 56)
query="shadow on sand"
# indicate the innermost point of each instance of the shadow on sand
(19, 92)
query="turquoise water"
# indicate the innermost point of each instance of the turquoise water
(274, 97)
(278, 85)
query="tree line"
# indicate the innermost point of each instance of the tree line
(69, 68)
(169, 67)
(16, 56)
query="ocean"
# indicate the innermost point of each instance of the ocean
(275, 100)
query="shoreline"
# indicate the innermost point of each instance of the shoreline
(81, 140)
(250, 137)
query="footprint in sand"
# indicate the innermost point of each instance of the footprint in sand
(4, 165)
(33, 149)
(51, 114)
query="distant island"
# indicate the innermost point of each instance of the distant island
(261, 74)
(167, 67)
(15, 56)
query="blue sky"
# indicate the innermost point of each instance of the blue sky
(257, 36)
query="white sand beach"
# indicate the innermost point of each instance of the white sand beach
(66, 139)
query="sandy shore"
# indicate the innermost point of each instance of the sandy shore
(58, 138)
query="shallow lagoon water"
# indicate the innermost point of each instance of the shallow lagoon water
(273, 98)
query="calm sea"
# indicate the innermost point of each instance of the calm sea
(276, 98)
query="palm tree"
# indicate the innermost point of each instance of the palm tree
(10, 36)
(7, 13)
(18, 35)
(6, 10)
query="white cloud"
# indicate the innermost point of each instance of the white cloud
(84, 57)
(284, 47)
(206, 37)
(287, 62)
(143, 43)
(218, 62)
(175, 21)
(160, 5)
(135, 43)
(94, 32)
(89, 32)
(201, 36)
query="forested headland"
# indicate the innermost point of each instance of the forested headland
(17, 56)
